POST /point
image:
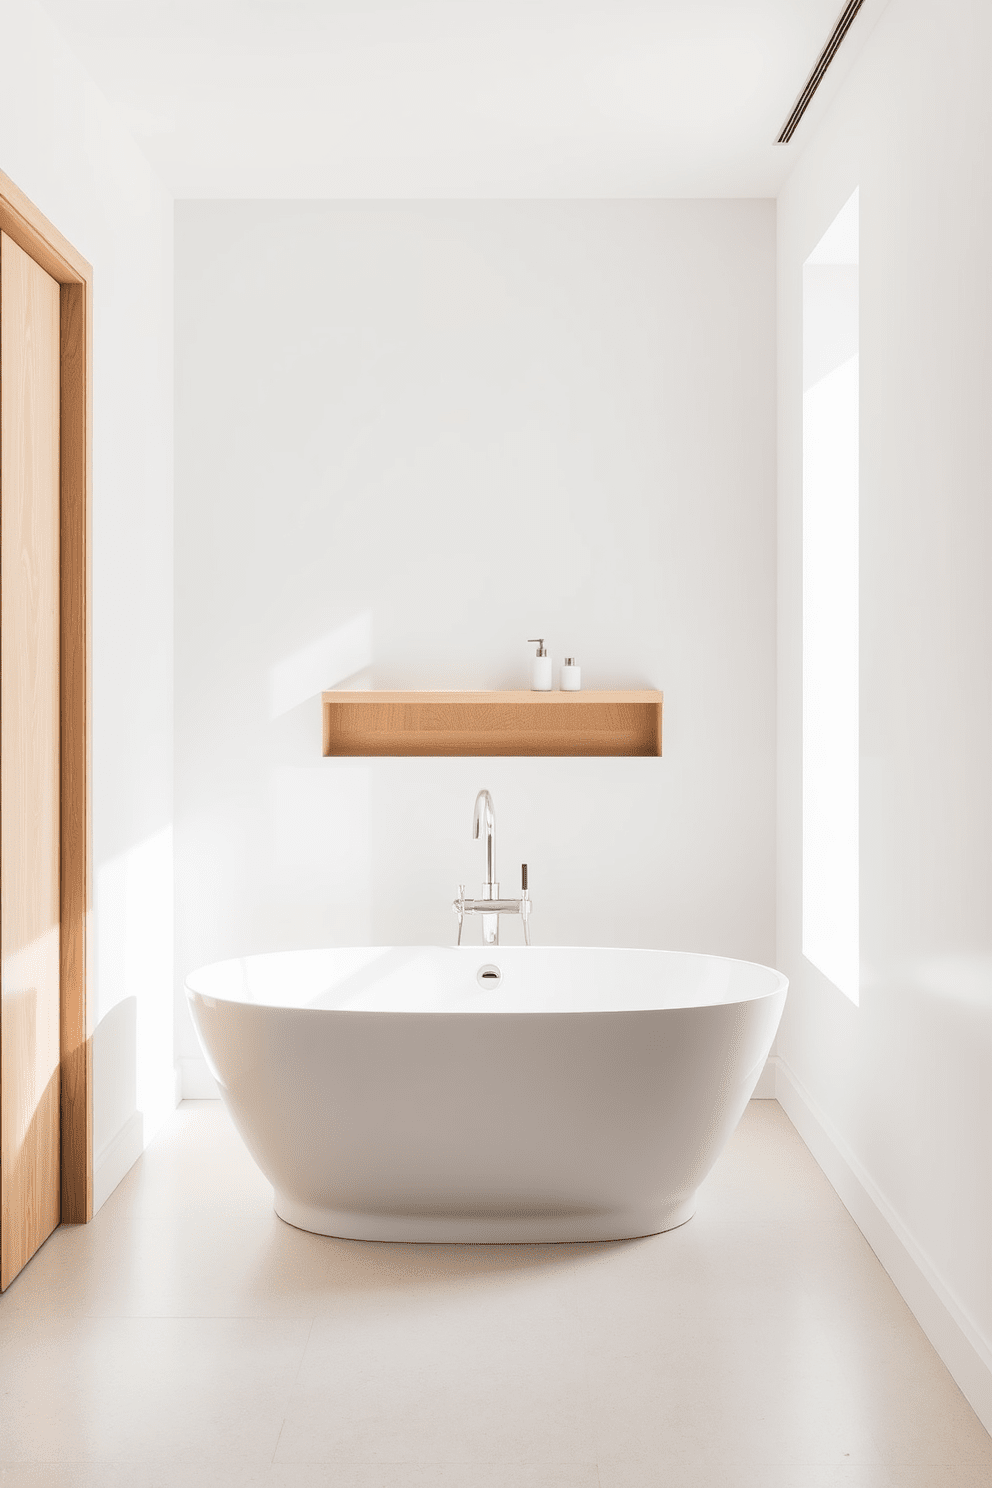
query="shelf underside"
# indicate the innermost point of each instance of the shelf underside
(492, 723)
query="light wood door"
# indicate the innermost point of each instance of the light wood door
(29, 757)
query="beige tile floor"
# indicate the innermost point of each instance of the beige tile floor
(187, 1338)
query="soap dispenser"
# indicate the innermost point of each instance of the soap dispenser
(540, 679)
(571, 675)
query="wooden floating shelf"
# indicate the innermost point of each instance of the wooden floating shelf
(492, 723)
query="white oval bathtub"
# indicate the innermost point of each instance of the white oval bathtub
(389, 1094)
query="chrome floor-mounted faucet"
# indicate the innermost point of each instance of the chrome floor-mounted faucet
(491, 906)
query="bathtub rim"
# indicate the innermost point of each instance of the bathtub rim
(780, 986)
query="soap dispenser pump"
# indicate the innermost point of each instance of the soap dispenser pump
(540, 668)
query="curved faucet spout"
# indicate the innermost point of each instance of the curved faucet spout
(491, 904)
(484, 801)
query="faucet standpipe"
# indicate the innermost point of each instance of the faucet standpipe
(490, 889)
(491, 906)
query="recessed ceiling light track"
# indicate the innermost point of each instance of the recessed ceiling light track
(823, 61)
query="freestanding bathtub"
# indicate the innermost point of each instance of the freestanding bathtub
(486, 1094)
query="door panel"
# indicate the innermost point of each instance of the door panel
(29, 757)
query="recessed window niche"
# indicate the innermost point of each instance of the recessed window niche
(830, 784)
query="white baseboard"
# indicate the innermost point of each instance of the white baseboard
(117, 1157)
(198, 1082)
(949, 1327)
(765, 1088)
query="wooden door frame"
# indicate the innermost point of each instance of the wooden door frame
(32, 231)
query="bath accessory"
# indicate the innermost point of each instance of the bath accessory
(388, 1094)
(571, 675)
(540, 668)
(491, 906)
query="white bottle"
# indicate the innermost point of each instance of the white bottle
(540, 676)
(571, 675)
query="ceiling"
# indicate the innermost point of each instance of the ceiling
(459, 98)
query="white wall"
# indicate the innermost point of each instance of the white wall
(62, 145)
(409, 436)
(902, 1085)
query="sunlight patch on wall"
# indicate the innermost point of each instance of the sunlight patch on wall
(134, 893)
(831, 447)
(324, 663)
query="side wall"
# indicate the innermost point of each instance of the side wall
(410, 436)
(63, 146)
(896, 1095)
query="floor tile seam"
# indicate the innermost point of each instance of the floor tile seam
(303, 1354)
(424, 1462)
(888, 1460)
(767, 1464)
(650, 1460)
(170, 1317)
(842, 1374)
(168, 1463)
(275, 1449)
(587, 1360)
(920, 1464)
(211, 1462)
(291, 1392)
(164, 1465)
(255, 1461)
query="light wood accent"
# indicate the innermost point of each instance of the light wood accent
(76, 941)
(492, 723)
(30, 783)
(33, 232)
